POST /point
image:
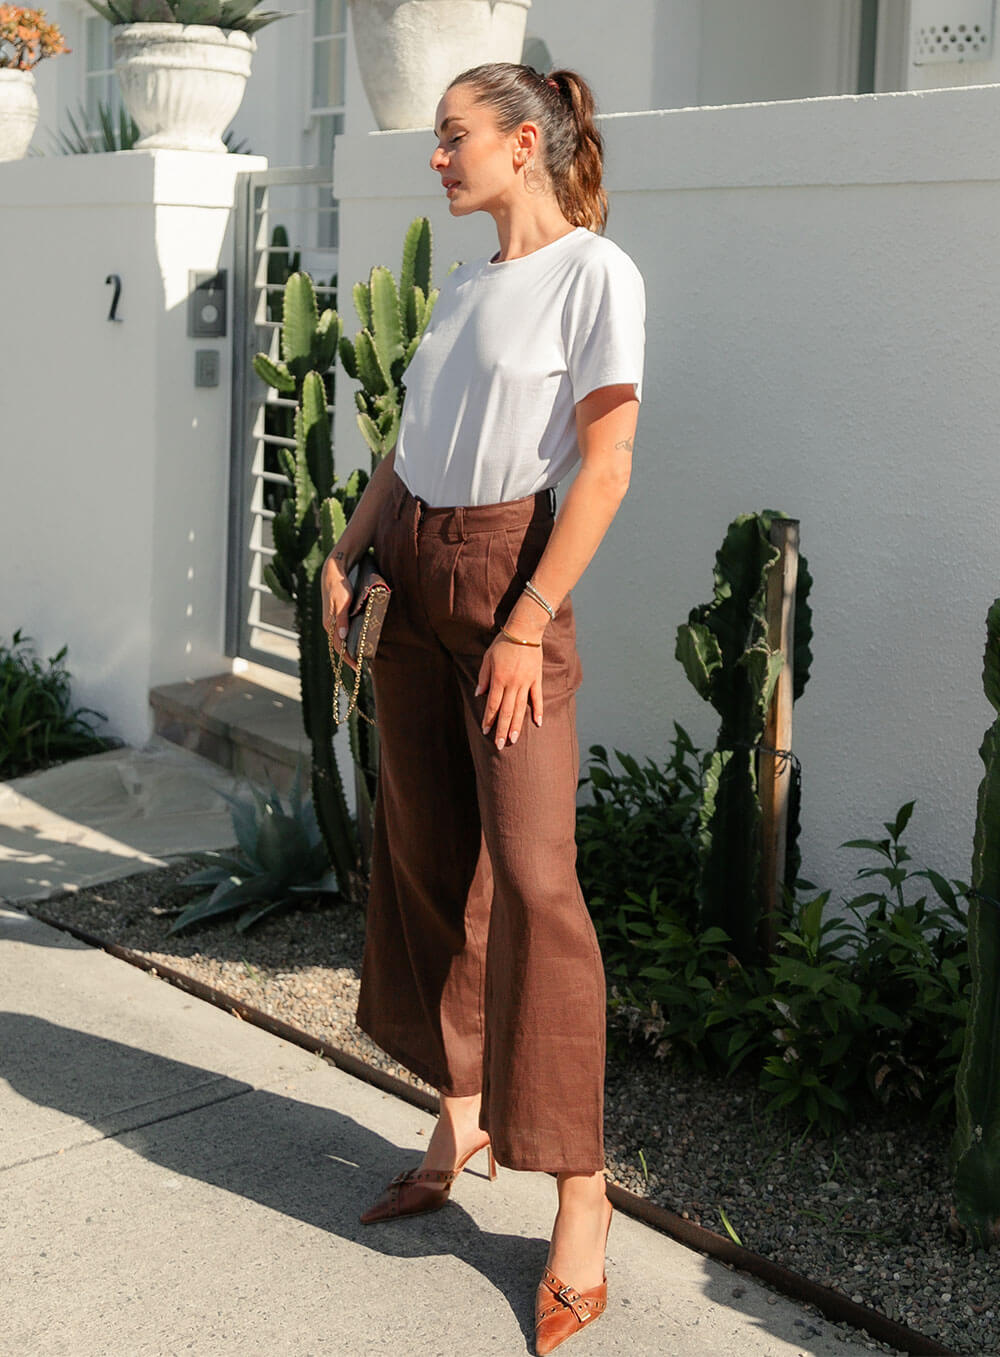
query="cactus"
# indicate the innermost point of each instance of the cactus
(393, 321)
(314, 514)
(230, 14)
(976, 1146)
(281, 264)
(723, 648)
(311, 516)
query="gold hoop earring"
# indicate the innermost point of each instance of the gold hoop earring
(530, 171)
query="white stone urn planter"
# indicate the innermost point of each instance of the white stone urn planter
(182, 83)
(408, 50)
(18, 111)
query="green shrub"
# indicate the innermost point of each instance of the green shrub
(38, 724)
(861, 1008)
(637, 848)
(684, 985)
(913, 953)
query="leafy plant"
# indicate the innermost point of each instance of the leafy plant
(976, 1146)
(38, 724)
(864, 1007)
(27, 37)
(231, 14)
(818, 1019)
(679, 974)
(912, 953)
(637, 841)
(724, 649)
(112, 135)
(281, 856)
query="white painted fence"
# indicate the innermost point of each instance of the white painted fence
(822, 281)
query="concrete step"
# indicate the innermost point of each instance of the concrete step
(249, 723)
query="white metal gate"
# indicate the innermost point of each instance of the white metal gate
(298, 203)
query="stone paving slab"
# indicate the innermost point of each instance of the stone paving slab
(107, 816)
(180, 1182)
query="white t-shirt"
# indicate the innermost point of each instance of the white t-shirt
(489, 412)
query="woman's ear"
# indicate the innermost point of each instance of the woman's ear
(526, 144)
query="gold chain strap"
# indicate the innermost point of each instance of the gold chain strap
(337, 660)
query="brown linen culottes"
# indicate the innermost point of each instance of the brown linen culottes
(481, 967)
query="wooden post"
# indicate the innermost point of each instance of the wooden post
(774, 770)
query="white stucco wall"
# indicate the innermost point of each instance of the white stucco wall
(822, 284)
(113, 514)
(665, 54)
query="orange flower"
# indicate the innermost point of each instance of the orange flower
(27, 37)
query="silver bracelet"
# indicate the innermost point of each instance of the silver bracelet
(543, 602)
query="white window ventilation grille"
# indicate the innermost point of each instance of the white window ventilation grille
(950, 30)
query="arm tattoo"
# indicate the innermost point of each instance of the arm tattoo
(625, 443)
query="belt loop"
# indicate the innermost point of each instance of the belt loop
(460, 522)
(552, 500)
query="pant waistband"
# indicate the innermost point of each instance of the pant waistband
(459, 521)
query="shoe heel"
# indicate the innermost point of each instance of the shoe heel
(493, 1162)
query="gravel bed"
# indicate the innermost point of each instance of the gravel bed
(867, 1214)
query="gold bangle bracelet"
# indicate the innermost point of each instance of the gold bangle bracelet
(517, 640)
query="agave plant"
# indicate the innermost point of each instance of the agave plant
(115, 136)
(238, 14)
(281, 855)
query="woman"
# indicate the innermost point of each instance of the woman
(481, 971)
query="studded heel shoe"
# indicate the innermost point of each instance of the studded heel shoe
(415, 1191)
(561, 1310)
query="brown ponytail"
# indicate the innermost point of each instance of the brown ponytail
(571, 150)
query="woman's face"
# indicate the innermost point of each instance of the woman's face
(478, 167)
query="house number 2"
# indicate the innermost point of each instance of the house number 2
(114, 278)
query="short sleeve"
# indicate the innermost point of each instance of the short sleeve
(604, 325)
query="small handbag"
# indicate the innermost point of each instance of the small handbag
(367, 613)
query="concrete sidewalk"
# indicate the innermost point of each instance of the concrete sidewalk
(177, 1181)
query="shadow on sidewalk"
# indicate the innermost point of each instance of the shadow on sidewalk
(310, 1163)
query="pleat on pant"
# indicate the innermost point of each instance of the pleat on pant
(481, 968)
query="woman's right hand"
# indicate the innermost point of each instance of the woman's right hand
(337, 597)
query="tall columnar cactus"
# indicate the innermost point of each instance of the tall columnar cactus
(976, 1146)
(393, 321)
(724, 650)
(312, 515)
(282, 262)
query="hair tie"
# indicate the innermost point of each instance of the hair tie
(553, 83)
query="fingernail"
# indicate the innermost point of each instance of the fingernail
(500, 743)
(513, 737)
(486, 730)
(478, 691)
(342, 632)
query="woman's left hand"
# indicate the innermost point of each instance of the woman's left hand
(511, 676)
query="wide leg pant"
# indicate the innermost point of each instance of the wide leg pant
(481, 967)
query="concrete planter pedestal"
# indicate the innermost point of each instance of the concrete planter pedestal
(18, 112)
(182, 83)
(408, 50)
